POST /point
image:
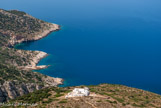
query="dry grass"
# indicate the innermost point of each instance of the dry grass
(101, 96)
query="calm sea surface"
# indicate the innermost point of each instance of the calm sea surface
(100, 41)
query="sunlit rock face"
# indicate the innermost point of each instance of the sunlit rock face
(78, 92)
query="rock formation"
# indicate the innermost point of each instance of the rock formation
(16, 75)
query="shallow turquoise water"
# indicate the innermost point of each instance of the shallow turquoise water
(100, 41)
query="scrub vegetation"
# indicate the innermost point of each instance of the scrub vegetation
(17, 27)
(18, 24)
(101, 96)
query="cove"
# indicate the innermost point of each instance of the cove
(100, 41)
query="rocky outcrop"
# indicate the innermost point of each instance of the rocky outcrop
(16, 77)
(32, 65)
(50, 81)
(36, 36)
(13, 89)
(10, 90)
(20, 27)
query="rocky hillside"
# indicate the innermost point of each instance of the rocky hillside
(17, 27)
(19, 84)
(101, 96)
(16, 75)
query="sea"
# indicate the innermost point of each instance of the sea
(100, 41)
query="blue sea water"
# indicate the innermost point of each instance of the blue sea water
(100, 41)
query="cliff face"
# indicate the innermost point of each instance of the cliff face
(14, 82)
(16, 75)
(12, 89)
(9, 90)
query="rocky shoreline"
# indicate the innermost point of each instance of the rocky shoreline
(17, 77)
(40, 55)
(37, 36)
(11, 90)
(35, 60)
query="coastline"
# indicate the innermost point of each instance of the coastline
(53, 27)
(35, 60)
(38, 55)
(17, 65)
(42, 54)
(36, 36)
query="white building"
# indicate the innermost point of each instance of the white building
(78, 92)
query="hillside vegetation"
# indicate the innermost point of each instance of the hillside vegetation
(19, 84)
(17, 26)
(101, 96)
(15, 79)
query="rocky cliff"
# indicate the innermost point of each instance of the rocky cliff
(16, 75)
(12, 89)
(17, 27)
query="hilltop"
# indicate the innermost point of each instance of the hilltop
(101, 96)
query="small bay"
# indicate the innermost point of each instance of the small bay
(100, 41)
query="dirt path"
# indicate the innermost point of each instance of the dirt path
(90, 104)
